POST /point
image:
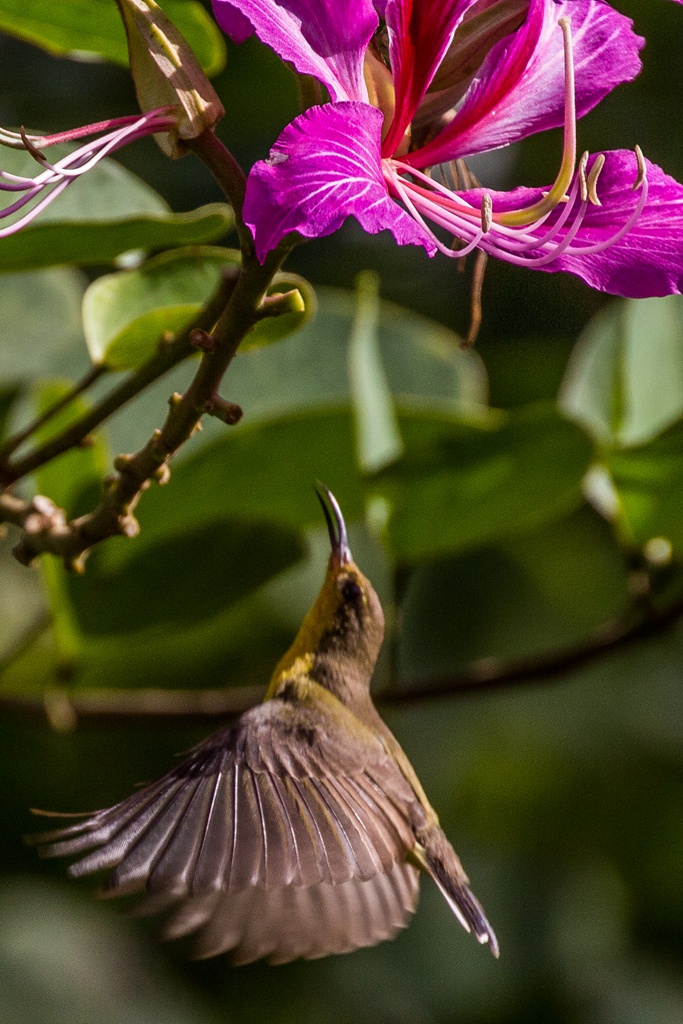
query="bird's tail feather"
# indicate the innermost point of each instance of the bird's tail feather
(437, 857)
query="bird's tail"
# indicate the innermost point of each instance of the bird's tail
(437, 857)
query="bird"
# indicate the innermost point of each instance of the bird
(302, 829)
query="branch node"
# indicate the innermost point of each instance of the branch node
(76, 565)
(128, 526)
(228, 412)
(45, 506)
(202, 340)
(162, 475)
(174, 401)
(23, 554)
(121, 465)
(279, 303)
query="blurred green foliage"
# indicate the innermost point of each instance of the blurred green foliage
(464, 479)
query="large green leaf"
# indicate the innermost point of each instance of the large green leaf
(107, 212)
(88, 243)
(625, 377)
(420, 360)
(125, 314)
(183, 579)
(93, 29)
(649, 483)
(460, 485)
(378, 436)
(40, 322)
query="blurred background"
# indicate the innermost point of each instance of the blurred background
(564, 797)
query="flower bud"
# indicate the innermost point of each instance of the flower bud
(166, 73)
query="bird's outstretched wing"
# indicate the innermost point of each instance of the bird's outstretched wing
(285, 836)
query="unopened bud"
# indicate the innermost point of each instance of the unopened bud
(166, 73)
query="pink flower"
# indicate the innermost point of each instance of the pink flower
(415, 84)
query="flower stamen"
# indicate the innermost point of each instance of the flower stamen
(520, 218)
(642, 169)
(593, 176)
(581, 172)
(486, 213)
(54, 178)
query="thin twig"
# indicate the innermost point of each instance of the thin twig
(93, 374)
(497, 673)
(231, 179)
(45, 528)
(109, 706)
(207, 705)
(167, 356)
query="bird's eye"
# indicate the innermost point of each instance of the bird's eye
(351, 592)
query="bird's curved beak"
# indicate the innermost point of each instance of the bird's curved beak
(336, 527)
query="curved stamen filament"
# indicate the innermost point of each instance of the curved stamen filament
(519, 218)
(402, 192)
(56, 177)
(526, 245)
(38, 208)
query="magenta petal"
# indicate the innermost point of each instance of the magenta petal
(648, 261)
(324, 168)
(316, 36)
(519, 89)
(232, 21)
(419, 35)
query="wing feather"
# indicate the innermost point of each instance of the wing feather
(302, 921)
(283, 837)
(305, 837)
(133, 870)
(246, 866)
(215, 854)
(173, 868)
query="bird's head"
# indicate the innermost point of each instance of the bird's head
(341, 636)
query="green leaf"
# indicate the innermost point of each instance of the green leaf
(547, 588)
(79, 470)
(290, 454)
(126, 314)
(462, 485)
(93, 29)
(107, 212)
(421, 360)
(377, 433)
(91, 243)
(625, 377)
(40, 322)
(649, 483)
(180, 580)
(74, 483)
